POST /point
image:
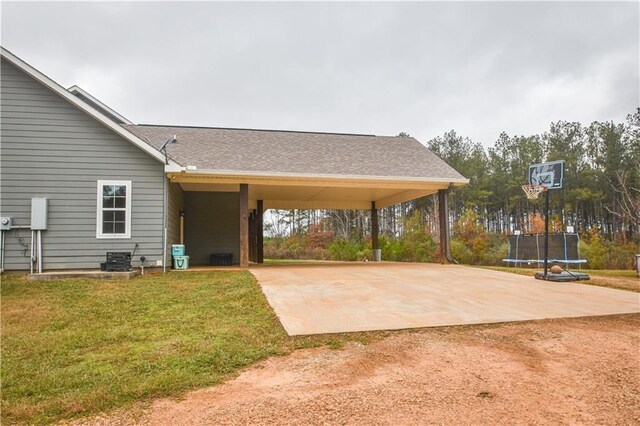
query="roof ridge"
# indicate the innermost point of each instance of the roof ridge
(254, 130)
(81, 93)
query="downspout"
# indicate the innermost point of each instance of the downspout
(164, 221)
(39, 234)
(33, 251)
(2, 237)
(163, 148)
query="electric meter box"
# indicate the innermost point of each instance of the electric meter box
(6, 223)
(38, 214)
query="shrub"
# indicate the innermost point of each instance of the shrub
(344, 249)
(460, 252)
(602, 254)
(391, 248)
(495, 253)
(594, 250)
(471, 233)
(622, 256)
(319, 237)
(417, 245)
(293, 248)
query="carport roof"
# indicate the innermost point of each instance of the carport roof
(263, 152)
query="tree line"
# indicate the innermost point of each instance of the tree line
(601, 185)
(600, 199)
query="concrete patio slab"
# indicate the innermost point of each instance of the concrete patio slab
(94, 274)
(336, 298)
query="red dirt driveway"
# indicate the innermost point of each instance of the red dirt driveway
(561, 371)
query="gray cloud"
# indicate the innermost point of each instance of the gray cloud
(423, 68)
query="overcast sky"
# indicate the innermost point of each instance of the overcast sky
(381, 68)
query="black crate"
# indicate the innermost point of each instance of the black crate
(221, 259)
(118, 261)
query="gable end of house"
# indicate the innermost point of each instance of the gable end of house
(55, 149)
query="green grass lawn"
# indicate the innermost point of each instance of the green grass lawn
(77, 347)
(618, 279)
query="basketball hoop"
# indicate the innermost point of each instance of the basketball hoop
(533, 191)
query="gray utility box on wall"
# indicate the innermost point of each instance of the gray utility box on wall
(6, 223)
(38, 214)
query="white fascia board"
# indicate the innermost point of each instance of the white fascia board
(74, 100)
(78, 90)
(237, 173)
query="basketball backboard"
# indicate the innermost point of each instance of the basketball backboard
(549, 174)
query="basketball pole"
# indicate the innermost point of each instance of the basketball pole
(546, 234)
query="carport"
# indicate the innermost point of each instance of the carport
(221, 181)
(261, 194)
(347, 297)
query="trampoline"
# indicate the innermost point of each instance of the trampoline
(529, 249)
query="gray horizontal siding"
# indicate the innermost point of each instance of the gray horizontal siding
(52, 149)
(44, 133)
(73, 182)
(87, 157)
(93, 168)
(176, 203)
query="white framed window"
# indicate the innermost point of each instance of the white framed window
(114, 209)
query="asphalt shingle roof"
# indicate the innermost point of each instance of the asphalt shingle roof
(272, 151)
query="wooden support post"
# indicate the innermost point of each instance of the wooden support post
(374, 226)
(252, 238)
(259, 232)
(375, 230)
(443, 210)
(244, 225)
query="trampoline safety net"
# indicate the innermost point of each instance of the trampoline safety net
(529, 248)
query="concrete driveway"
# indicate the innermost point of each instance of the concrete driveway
(335, 297)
